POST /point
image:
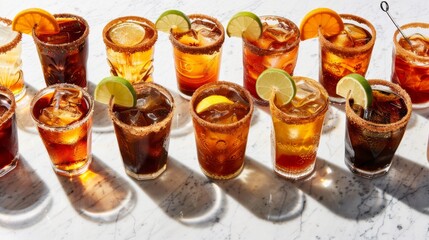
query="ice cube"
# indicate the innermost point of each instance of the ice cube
(342, 40)
(280, 33)
(305, 94)
(420, 44)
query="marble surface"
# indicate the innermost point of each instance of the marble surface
(183, 204)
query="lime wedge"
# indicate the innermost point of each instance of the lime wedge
(173, 20)
(278, 80)
(358, 88)
(246, 25)
(127, 34)
(122, 91)
(211, 100)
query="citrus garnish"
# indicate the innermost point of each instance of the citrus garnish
(43, 22)
(326, 19)
(277, 80)
(358, 88)
(245, 25)
(127, 34)
(122, 91)
(173, 20)
(211, 100)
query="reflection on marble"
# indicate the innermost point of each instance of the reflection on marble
(23, 115)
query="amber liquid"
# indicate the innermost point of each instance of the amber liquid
(64, 64)
(8, 136)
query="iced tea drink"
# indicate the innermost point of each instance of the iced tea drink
(197, 53)
(63, 55)
(11, 75)
(297, 127)
(221, 130)
(374, 134)
(8, 133)
(130, 47)
(345, 53)
(410, 65)
(276, 48)
(143, 131)
(63, 115)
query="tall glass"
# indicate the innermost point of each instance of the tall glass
(221, 138)
(197, 53)
(410, 67)
(297, 127)
(8, 133)
(276, 48)
(143, 132)
(130, 45)
(63, 115)
(63, 55)
(345, 53)
(11, 75)
(373, 135)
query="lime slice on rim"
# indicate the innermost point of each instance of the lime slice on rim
(122, 91)
(358, 88)
(278, 80)
(246, 25)
(174, 20)
(211, 100)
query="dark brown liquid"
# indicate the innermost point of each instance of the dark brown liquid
(8, 135)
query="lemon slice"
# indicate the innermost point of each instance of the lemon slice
(277, 80)
(122, 91)
(211, 100)
(173, 20)
(358, 88)
(245, 25)
(27, 19)
(326, 19)
(127, 34)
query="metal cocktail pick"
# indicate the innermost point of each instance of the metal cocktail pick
(385, 7)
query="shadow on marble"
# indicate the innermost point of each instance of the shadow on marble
(182, 121)
(101, 121)
(23, 115)
(264, 194)
(185, 195)
(99, 194)
(408, 182)
(342, 192)
(24, 197)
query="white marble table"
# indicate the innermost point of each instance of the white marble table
(183, 203)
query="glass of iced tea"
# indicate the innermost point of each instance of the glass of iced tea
(130, 47)
(197, 53)
(221, 130)
(8, 132)
(374, 134)
(63, 55)
(11, 75)
(63, 115)
(276, 48)
(297, 127)
(410, 64)
(345, 53)
(143, 131)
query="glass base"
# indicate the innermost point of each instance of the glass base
(308, 173)
(367, 174)
(223, 177)
(149, 176)
(338, 100)
(21, 94)
(187, 97)
(6, 169)
(74, 172)
(420, 105)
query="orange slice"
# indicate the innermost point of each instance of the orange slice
(37, 18)
(326, 19)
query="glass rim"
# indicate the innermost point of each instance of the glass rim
(402, 51)
(294, 119)
(12, 44)
(140, 47)
(352, 50)
(378, 127)
(78, 41)
(51, 88)
(155, 127)
(208, 49)
(262, 52)
(11, 111)
(222, 126)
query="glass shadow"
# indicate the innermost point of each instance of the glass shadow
(99, 194)
(343, 193)
(263, 193)
(185, 195)
(24, 197)
(23, 116)
(101, 121)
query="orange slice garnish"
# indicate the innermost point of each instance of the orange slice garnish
(326, 19)
(40, 19)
